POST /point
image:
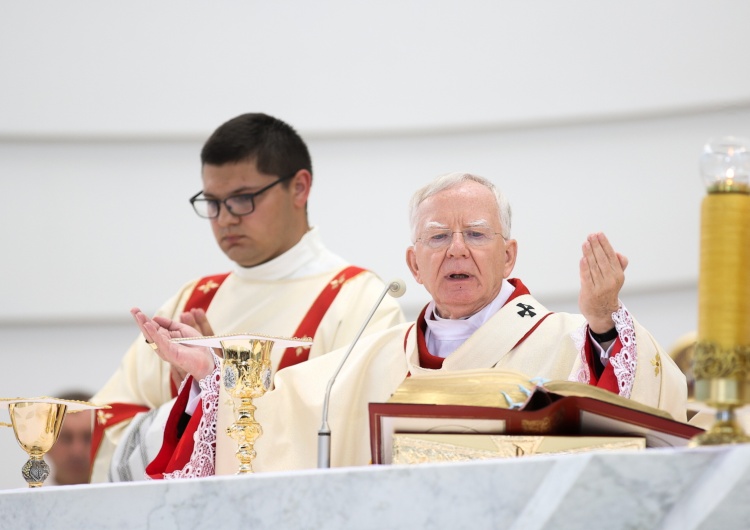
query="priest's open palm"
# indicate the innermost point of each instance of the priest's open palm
(196, 361)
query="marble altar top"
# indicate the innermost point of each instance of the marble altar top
(702, 488)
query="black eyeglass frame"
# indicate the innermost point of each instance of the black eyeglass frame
(251, 196)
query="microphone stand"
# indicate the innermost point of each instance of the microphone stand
(396, 288)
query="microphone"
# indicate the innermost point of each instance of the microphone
(395, 288)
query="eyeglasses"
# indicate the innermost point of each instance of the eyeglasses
(473, 237)
(238, 205)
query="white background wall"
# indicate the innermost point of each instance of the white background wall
(590, 115)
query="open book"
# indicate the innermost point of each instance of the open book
(494, 402)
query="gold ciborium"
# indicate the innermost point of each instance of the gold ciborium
(36, 423)
(246, 375)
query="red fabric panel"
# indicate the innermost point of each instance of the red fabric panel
(176, 449)
(309, 325)
(608, 379)
(204, 291)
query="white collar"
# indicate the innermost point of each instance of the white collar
(306, 258)
(445, 335)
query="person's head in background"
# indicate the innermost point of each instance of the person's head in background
(70, 457)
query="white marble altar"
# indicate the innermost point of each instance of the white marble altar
(682, 489)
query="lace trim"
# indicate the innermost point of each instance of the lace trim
(623, 362)
(626, 360)
(579, 341)
(203, 460)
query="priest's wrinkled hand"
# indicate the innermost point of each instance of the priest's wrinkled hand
(183, 359)
(602, 273)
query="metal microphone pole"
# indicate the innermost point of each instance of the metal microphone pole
(396, 288)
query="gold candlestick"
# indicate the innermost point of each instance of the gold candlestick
(722, 352)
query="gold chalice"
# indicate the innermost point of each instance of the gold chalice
(246, 375)
(36, 423)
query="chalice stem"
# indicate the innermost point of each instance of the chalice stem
(35, 471)
(245, 431)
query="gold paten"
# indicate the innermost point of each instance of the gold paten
(247, 375)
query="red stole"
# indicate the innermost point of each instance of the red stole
(311, 321)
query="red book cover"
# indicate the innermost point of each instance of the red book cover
(544, 414)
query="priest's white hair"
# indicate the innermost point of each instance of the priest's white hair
(452, 180)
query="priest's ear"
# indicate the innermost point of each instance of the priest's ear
(511, 253)
(411, 262)
(300, 187)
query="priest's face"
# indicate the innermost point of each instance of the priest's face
(460, 256)
(277, 222)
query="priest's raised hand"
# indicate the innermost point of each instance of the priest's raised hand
(159, 331)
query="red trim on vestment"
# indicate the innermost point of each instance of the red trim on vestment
(204, 291)
(176, 450)
(520, 289)
(406, 339)
(105, 418)
(309, 325)
(533, 328)
(426, 359)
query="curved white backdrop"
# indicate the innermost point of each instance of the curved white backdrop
(591, 116)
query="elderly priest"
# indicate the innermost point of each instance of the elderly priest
(479, 317)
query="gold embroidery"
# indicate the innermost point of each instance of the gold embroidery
(338, 282)
(210, 284)
(656, 362)
(536, 426)
(103, 417)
